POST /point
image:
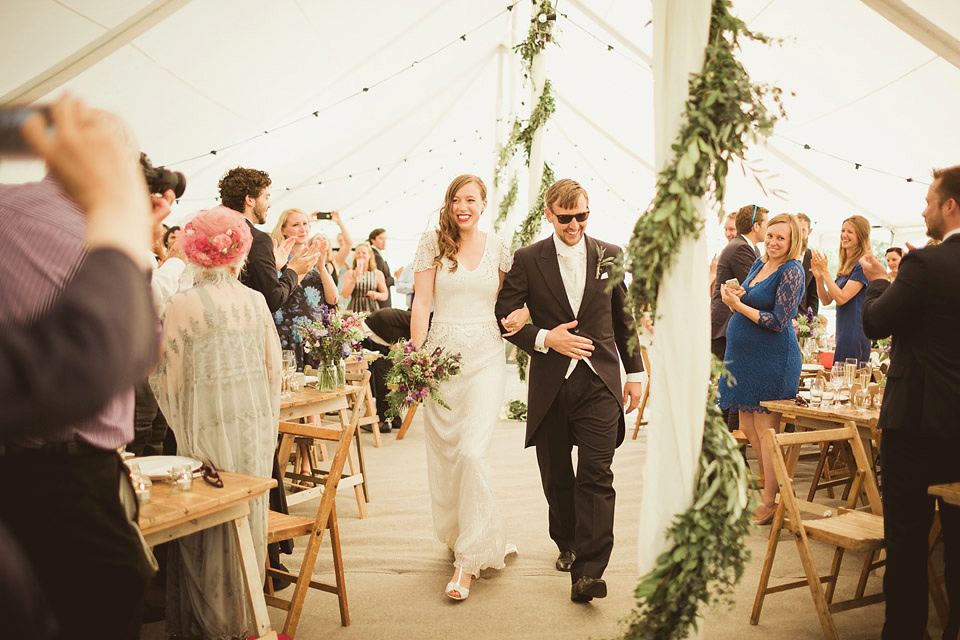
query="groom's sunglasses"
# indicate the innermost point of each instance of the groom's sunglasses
(565, 219)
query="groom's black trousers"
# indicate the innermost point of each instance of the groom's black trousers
(586, 414)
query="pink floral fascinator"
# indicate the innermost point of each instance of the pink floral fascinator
(216, 237)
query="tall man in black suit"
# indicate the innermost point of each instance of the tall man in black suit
(247, 191)
(378, 242)
(575, 394)
(810, 299)
(921, 433)
(734, 262)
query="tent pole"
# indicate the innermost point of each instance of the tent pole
(538, 74)
(919, 28)
(72, 66)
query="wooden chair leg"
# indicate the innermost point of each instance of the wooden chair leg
(813, 580)
(302, 584)
(933, 579)
(371, 412)
(407, 419)
(338, 566)
(774, 540)
(834, 574)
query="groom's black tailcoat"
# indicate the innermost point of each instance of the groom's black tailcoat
(921, 427)
(587, 408)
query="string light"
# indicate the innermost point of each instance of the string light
(316, 113)
(856, 165)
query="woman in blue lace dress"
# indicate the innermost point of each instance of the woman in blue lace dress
(849, 290)
(762, 352)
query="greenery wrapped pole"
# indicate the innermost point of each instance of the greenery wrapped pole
(723, 114)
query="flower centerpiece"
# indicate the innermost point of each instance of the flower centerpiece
(416, 374)
(329, 339)
(807, 326)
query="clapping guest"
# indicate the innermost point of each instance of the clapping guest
(849, 290)
(218, 384)
(316, 289)
(762, 352)
(378, 242)
(364, 284)
(893, 256)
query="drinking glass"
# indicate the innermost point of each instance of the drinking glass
(850, 371)
(859, 399)
(816, 392)
(865, 376)
(289, 361)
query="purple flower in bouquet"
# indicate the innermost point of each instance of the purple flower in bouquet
(417, 374)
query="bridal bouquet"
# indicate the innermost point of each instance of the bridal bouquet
(331, 337)
(417, 374)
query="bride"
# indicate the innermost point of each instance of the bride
(457, 271)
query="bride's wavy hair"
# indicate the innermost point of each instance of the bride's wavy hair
(448, 234)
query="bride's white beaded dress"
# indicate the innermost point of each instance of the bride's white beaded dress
(465, 513)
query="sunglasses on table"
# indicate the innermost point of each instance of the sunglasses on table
(565, 219)
(210, 476)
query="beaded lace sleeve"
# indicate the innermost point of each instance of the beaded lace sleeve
(789, 292)
(427, 250)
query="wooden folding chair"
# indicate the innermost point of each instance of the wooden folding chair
(845, 528)
(646, 394)
(407, 419)
(284, 527)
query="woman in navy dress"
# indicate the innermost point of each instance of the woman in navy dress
(762, 355)
(849, 290)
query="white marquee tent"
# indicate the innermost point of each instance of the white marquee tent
(409, 94)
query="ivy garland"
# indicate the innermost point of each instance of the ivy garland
(509, 199)
(724, 113)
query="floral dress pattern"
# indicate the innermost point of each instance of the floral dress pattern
(303, 306)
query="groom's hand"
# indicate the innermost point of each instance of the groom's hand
(631, 395)
(569, 344)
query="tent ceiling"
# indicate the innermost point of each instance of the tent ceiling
(216, 75)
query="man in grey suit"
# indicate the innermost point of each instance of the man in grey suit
(734, 262)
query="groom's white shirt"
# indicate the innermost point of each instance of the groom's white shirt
(573, 270)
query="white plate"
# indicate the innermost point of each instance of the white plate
(158, 467)
(310, 379)
(811, 367)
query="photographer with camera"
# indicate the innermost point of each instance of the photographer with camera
(73, 256)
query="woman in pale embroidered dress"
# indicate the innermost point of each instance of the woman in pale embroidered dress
(458, 271)
(218, 384)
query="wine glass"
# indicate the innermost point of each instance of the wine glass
(865, 376)
(850, 371)
(859, 399)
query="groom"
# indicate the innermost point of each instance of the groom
(575, 396)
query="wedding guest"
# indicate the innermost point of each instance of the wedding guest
(378, 242)
(170, 236)
(316, 289)
(80, 278)
(848, 290)
(218, 384)
(364, 284)
(735, 261)
(730, 226)
(918, 417)
(762, 351)
(810, 299)
(893, 257)
(458, 270)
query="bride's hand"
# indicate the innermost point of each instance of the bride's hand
(515, 321)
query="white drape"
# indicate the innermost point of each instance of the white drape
(680, 358)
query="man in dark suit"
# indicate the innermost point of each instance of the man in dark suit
(575, 395)
(921, 434)
(734, 262)
(384, 327)
(810, 299)
(247, 191)
(378, 242)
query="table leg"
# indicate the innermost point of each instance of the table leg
(251, 574)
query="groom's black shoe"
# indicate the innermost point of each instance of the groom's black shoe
(565, 561)
(586, 589)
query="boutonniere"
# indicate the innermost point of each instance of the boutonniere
(603, 262)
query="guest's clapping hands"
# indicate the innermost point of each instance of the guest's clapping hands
(303, 261)
(818, 264)
(319, 245)
(282, 251)
(515, 320)
(569, 344)
(872, 268)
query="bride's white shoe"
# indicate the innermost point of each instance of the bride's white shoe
(455, 590)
